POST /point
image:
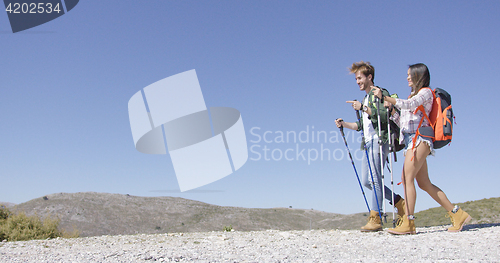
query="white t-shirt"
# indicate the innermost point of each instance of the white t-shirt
(368, 129)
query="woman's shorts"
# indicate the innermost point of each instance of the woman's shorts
(408, 140)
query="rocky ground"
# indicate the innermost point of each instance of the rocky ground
(477, 243)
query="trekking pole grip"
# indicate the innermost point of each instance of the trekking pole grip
(341, 126)
(357, 111)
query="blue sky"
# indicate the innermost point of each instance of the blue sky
(283, 64)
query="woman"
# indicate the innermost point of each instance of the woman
(415, 164)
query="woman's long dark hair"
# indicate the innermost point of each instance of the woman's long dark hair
(420, 77)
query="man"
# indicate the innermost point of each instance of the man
(365, 75)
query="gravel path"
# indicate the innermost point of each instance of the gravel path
(478, 243)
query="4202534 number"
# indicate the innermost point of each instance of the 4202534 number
(32, 8)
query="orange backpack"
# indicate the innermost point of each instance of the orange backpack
(440, 119)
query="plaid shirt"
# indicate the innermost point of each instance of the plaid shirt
(407, 121)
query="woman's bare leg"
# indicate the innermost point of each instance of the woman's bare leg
(435, 192)
(414, 160)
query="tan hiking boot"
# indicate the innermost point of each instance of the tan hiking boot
(401, 207)
(405, 226)
(374, 223)
(458, 220)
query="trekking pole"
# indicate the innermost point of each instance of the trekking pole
(378, 101)
(353, 166)
(369, 167)
(392, 149)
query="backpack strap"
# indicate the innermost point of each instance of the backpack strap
(417, 133)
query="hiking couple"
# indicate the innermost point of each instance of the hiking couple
(374, 107)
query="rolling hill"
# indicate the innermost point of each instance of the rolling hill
(95, 214)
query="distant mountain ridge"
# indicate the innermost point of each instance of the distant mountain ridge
(97, 214)
(7, 204)
(114, 214)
